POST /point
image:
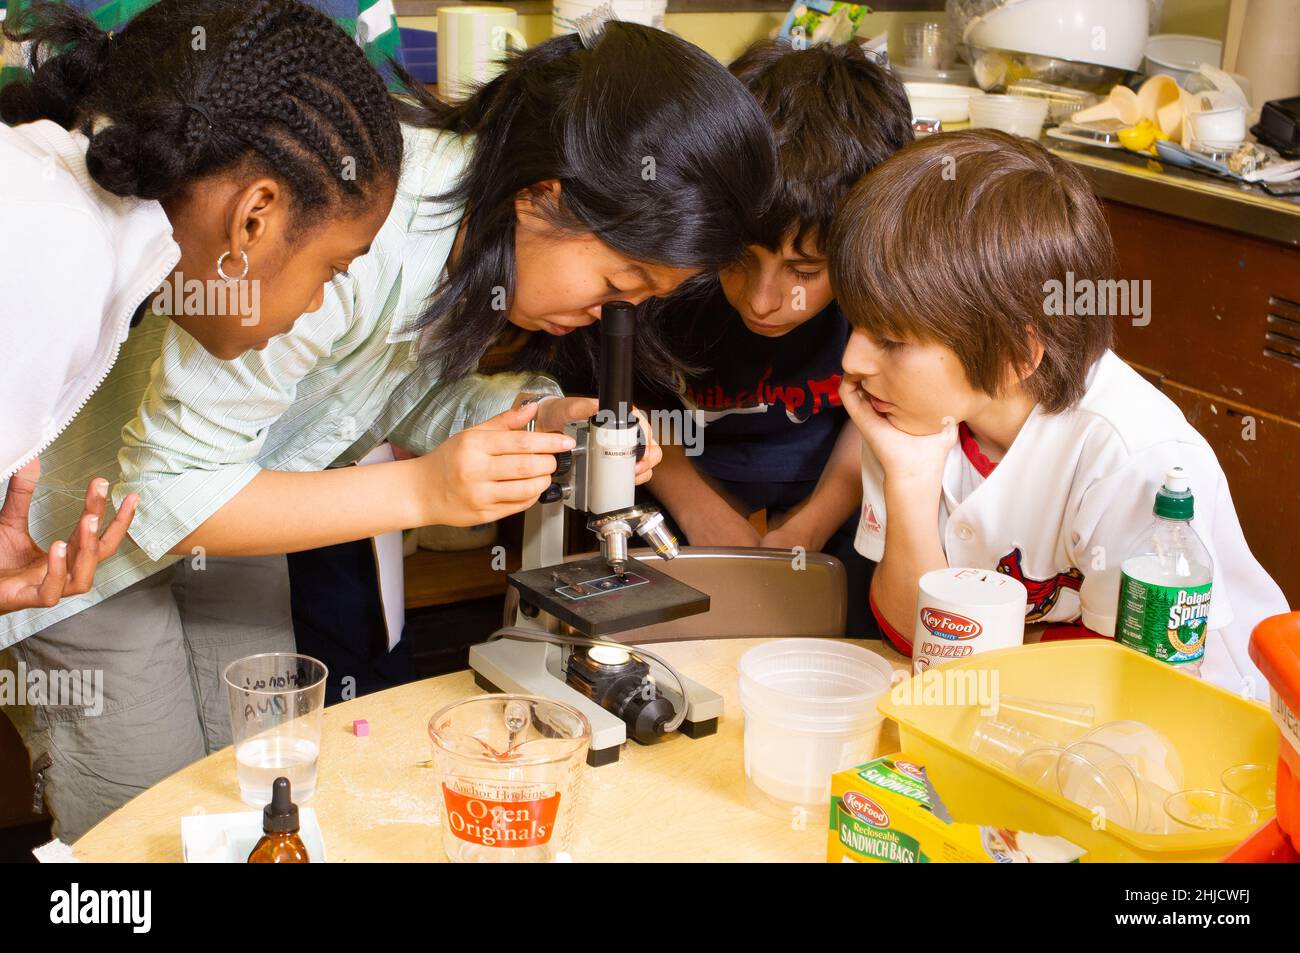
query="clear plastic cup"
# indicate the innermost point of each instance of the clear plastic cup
(1003, 744)
(1153, 756)
(509, 771)
(1151, 816)
(1102, 781)
(1204, 809)
(925, 44)
(1038, 767)
(1256, 783)
(1095, 780)
(276, 700)
(810, 710)
(1061, 722)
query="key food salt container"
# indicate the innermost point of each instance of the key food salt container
(960, 612)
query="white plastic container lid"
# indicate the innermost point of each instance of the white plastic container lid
(1182, 51)
(813, 685)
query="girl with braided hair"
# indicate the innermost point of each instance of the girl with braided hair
(618, 166)
(242, 154)
(211, 142)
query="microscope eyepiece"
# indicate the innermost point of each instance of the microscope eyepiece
(617, 352)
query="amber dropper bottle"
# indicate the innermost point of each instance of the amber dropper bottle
(280, 843)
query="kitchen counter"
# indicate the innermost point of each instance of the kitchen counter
(1121, 176)
(682, 799)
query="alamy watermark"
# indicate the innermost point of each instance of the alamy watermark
(944, 686)
(1087, 297)
(59, 688)
(133, 908)
(179, 296)
(672, 427)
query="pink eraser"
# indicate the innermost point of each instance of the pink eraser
(361, 728)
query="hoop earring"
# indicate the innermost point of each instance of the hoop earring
(232, 278)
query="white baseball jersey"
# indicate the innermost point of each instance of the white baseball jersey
(1067, 503)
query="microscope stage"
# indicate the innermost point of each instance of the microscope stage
(588, 596)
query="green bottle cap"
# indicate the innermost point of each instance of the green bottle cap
(1174, 500)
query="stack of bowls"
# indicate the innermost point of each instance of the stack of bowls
(1019, 115)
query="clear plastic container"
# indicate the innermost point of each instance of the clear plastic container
(810, 710)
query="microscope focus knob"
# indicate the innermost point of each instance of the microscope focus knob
(564, 463)
(552, 494)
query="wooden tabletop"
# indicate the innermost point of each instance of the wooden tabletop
(679, 800)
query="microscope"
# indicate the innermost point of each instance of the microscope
(560, 615)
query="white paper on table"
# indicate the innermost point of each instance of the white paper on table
(230, 838)
(55, 852)
(388, 562)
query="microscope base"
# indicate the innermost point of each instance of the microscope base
(536, 668)
(698, 729)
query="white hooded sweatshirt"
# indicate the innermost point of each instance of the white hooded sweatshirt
(76, 262)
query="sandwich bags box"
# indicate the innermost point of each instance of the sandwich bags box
(886, 811)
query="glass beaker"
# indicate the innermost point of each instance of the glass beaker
(509, 772)
(276, 700)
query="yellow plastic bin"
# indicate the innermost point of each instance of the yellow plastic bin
(1213, 729)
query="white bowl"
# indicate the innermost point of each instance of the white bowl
(941, 101)
(1178, 55)
(1067, 29)
(1019, 115)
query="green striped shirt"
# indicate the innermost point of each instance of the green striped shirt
(188, 431)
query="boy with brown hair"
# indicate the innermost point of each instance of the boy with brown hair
(999, 429)
(765, 340)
